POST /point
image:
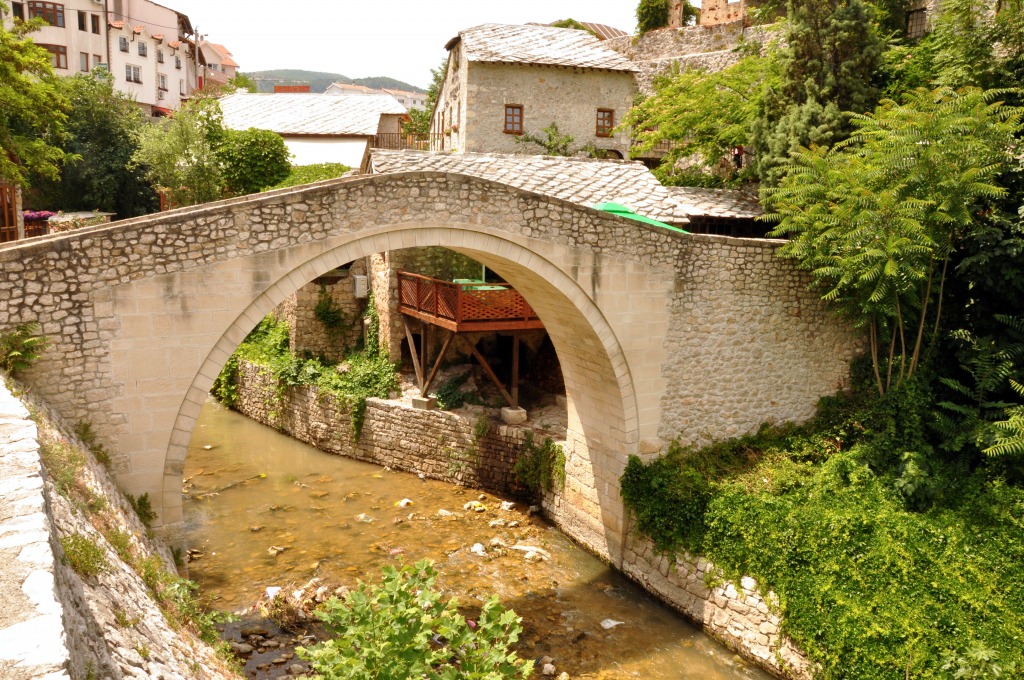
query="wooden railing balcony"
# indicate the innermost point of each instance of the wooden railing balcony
(399, 141)
(464, 307)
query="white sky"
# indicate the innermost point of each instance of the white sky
(403, 39)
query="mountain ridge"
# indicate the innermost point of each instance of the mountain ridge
(319, 81)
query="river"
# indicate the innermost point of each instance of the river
(265, 510)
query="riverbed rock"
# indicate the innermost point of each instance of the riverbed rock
(495, 523)
(296, 669)
(478, 549)
(548, 669)
(241, 649)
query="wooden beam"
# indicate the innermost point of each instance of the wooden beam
(437, 363)
(515, 370)
(412, 351)
(487, 369)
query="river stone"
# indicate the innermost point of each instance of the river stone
(548, 669)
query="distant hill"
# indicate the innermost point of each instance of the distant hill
(319, 81)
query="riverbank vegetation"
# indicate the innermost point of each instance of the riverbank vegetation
(363, 374)
(891, 526)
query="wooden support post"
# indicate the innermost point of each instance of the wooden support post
(424, 352)
(487, 369)
(515, 370)
(412, 351)
(437, 362)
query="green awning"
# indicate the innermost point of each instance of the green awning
(623, 211)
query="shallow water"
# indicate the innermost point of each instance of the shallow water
(251, 489)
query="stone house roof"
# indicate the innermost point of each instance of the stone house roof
(308, 114)
(730, 203)
(539, 45)
(584, 181)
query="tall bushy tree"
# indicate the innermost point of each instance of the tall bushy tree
(419, 119)
(180, 154)
(32, 111)
(253, 160)
(103, 131)
(830, 62)
(877, 221)
(651, 15)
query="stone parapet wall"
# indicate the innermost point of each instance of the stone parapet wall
(56, 623)
(472, 451)
(742, 617)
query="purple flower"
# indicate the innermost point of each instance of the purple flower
(37, 215)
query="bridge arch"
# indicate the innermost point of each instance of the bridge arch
(603, 415)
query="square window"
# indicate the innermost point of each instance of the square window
(58, 55)
(50, 12)
(132, 74)
(917, 23)
(513, 119)
(605, 122)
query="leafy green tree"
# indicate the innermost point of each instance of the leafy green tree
(243, 82)
(32, 111)
(253, 160)
(553, 141)
(180, 154)
(651, 15)
(829, 65)
(402, 629)
(877, 222)
(419, 123)
(704, 114)
(103, 131)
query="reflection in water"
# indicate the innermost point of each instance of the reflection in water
(266, 510)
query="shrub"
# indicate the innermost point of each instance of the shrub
(253, 160)
(142, 507)
(84, 555)
(402, 629)
(651, 15)
(20, 348)
(307, 174)
(539, 467)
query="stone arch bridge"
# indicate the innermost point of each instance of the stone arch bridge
(658, 334)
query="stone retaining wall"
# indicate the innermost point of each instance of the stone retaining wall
(56, 623)
(473, 451)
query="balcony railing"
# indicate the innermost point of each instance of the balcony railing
(462, 307)
(399, 141)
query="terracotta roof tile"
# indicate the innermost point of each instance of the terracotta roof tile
(544, 45)
(308, 114)
(138, 29)
(584, 181)
(119, 24)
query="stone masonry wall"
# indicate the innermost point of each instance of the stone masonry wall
(56, 623)
(438, 444)
(307, 333)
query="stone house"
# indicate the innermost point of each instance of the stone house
(506, 80)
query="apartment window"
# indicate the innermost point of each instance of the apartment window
(58, 55)
(82, 24)
(181, 87)
(131, 74)
(605, 122)
(143, 49)
(122, 43)
(159, 56)
(83, 61)
(95, 23)
(177, 62)
(50, 12)
(513, 119)
(18, 10)
(96, 60)
(917, 22)
(161, 82)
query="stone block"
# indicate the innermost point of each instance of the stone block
(424, 403)
(513, 416)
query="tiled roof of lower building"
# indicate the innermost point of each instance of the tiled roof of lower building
(717, 202)
(308, 114)
(584, 181)
(544, 45)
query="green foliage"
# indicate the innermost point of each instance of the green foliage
(450, 395)
(419, 119)
(84, 555)
(64, 464)
(833, 50)
(539, 468)
(307, 174)
(442, 263)
(243, 82)
(21, 347)
(329, 313)
(553, 142)
(373, 343)
(32, 110)
(180, 156)
(403, 629)
(83, 429)
(103, 129)
(142, 507)
(253, 160)
(225, 386)
(704, 114)
(876, 222)
(869, 585)
(651, 15)
(1009, 433)
(570, 23)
